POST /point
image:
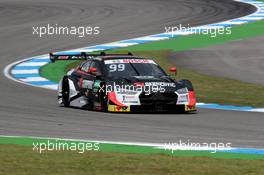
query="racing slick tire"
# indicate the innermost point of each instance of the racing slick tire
(65, 92)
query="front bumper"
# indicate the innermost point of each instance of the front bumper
(152, 108)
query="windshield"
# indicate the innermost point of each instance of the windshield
(133, 67)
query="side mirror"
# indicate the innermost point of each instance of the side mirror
(92, 70)
(174, 70)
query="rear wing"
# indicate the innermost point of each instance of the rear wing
(79, 56)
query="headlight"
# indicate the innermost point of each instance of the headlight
(182, 91)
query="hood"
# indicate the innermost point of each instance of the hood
(149, 82)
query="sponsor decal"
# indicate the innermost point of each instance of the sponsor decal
(129, 61)
(163, 84)
(182, 98)
(137, 61)
(190, 108)
(129, 99)
(63, 57)
(116, 108)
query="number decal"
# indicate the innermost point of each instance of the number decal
(112, 67)
(121, 67)
(117, 67)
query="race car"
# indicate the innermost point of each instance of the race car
(122, 83)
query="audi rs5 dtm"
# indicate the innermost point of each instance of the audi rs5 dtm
(122, 83)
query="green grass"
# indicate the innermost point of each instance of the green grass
(22, 160)
(121, 148)
(54, 71)
(209, 89)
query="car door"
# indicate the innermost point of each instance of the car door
(84, 77)
(98, 78)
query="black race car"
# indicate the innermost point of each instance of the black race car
(122, 83)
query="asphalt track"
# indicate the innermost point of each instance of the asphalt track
(241, 60)
(26, 110)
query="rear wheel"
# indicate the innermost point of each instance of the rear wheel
(65, 92)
